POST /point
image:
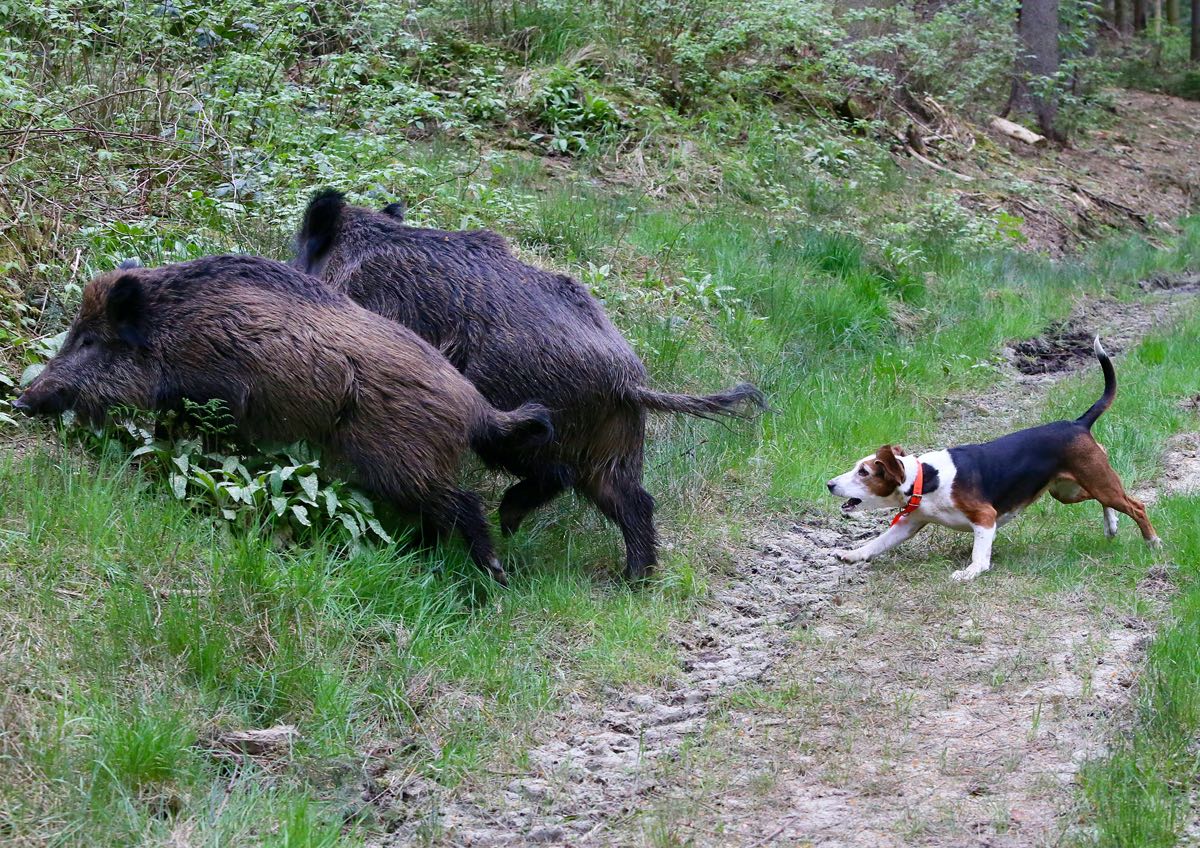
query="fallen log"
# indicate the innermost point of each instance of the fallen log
(1016, 131)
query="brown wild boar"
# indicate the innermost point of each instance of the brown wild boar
(292, 359)
(520, 334)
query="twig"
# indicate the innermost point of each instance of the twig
(771, 836)
(94, 132)
(938, 167)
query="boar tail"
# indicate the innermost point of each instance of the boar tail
(322, 219)
(527, 426)
(742, 401)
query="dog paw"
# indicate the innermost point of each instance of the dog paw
(849, 556)
(964, 574)
(1155, 543)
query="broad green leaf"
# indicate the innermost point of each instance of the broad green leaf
(179, 485)
(301, 513)
(31, 373)
(309, 484)
(351, 525)
(379, 531)
(206, 480)
(280, 505)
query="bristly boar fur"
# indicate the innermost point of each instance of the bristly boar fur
(292, 359)
(520, 334)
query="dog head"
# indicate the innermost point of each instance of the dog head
(875, 481)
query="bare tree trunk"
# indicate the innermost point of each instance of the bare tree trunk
(1173, 13)
(1037, 24)
(1196, 32)
(1158, 15)
(1121, 17)
(1139, 15)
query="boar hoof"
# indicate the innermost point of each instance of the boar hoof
(497, 572)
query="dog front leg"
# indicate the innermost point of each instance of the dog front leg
(904, 529)
(981, 553)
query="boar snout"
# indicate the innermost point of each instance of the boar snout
(40, 399)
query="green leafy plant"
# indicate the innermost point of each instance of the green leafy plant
(572, 115)
(278, 486)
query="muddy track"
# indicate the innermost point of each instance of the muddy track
(598, 765)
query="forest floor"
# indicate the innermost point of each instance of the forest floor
(1142, 173)
(852, 705)
(756, 691)
(869, 705)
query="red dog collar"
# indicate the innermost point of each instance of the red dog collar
(914, 500)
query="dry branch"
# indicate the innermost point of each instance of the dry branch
(938, 167)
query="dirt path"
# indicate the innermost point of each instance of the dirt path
(828, 704)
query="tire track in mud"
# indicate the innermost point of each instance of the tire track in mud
(598, 762)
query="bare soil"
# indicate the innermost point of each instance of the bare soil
(843, 705)
(819, 703)
(1142, 171)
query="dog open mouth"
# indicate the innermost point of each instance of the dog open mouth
(850, 504)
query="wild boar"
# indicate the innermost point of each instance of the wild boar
(520, 334)
(292, 359)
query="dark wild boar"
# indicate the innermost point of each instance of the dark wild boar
(520, 334)
(292, 359)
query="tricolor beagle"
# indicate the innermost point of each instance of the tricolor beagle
(980, 487)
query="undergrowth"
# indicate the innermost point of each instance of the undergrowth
(702, 168)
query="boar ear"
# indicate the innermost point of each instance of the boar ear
(322, 219)
(125, 307)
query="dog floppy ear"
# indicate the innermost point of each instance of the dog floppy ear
(886, 460)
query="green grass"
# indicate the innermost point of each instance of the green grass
(136, 631)
(1140, 793)
(143, 629)
(733, 229)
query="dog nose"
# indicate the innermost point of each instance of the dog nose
(831, 484)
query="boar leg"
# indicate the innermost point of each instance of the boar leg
(618, 494)
(462, 512)
(527, 495)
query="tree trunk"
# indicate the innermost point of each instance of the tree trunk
(1139, 15)
(1173, 13)
(1121, 16)
(1037, 24)
(1196, 32)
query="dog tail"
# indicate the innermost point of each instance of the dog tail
(742, 401)
(1110, 388)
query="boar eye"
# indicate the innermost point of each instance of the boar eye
(87, 341)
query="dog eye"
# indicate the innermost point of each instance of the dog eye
(862, 472)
